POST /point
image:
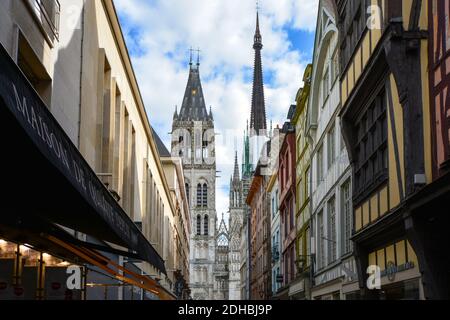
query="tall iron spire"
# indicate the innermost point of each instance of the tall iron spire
(258, 122)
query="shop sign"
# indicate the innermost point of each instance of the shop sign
(47, 135)
(297, 288)
(392, 270)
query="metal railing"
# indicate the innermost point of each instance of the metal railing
(47, 12)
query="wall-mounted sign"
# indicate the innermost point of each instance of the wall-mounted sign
(392, 269)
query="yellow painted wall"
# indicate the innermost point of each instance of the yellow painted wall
(399, 253)
(394, 190)
(358, 219)
(358, 66)
(374, 212)
(384, 201)
(406, 12)
(366, 214)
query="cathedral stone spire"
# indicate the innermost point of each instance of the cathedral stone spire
(193, 107)
(258, 123)
(236, 168)
(246, 164)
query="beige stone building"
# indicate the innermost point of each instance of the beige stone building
(74, 55)
(173, 168)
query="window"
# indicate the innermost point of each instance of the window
(276, 201)
(292, 275)
(291, 214)
(334, 67)
(347, 217)
(325, 86)
(308, 245)
(286, 268)
(34, 70)
(331, 146)
(188, 199)
(205, 195)
(199, 195)
(301, 251)
(320, 165)
(206, 226)
(199, 225)
(47, 12)
(133, 176)
(353, 17)
(321, 235)
(105, 133)
(332, 230)
(286, 213)
(307, 184)
(371, 147)
(125, 157)
(273, 206)
(342, 141)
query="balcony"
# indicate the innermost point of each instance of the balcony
(47, 14)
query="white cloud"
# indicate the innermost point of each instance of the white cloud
(163, 31)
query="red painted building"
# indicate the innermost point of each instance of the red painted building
(260, 246)
(286, 181)
(440, 85)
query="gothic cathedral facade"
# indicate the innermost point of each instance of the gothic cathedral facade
(193, 140)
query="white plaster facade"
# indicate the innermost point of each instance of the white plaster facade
(331, 172)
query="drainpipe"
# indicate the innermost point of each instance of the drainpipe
(81, 84)
(81, 74)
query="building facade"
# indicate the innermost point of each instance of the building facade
(386, 117)
(301, 288)
(331, 171)
(173, 170)
(193, 140)
(77, 80)
(286, 182)
(260, 244)
(275, 231)
(237, 214)
(222, 263)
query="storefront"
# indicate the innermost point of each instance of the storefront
(298, 289)
(399, 272)
(50, 198)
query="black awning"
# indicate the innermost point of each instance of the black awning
(44, 174)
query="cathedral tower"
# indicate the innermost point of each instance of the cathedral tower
(193, 140)
(237, 211)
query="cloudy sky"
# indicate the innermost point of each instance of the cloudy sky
(159, 34)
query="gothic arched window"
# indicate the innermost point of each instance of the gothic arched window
(202, 195)
(187, 193)
(206, 226)
(199, 225)
(199, 195)
(205, 195)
